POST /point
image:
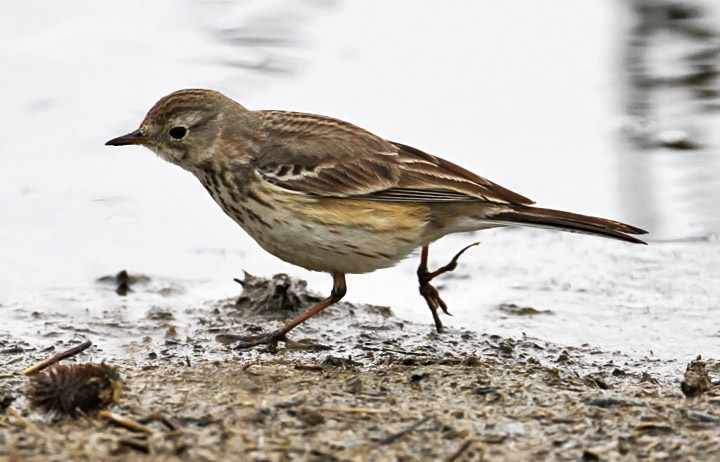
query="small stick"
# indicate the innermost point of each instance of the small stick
(125, 422)
(403, 352)
(31, 427)
(135, 444)
(391, 350)
(309, 367)
(410, 429)
(455, 455)
(158, 417)
(57, 358)
(358, 410)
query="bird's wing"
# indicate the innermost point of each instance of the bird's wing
(327, 157)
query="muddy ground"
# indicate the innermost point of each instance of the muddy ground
(375, 388)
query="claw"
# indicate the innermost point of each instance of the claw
(254, 340)
(442, 304)
(428, 291)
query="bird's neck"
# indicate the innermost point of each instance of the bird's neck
(220, 177)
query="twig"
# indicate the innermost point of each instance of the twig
(58, 357)
(125, 422)
(358, 410)
(158, 417)
(136, 444)
(455, 455)
(410, 429)
(391, 350)
(31, 427)
(309, 367)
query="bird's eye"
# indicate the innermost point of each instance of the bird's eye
(178, 132)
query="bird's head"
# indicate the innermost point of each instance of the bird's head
(186, 127)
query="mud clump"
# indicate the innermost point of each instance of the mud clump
(516, 310)
(696, 380)
(282, 296)
(279, 296)
(123, 281)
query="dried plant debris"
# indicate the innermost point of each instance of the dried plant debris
(697, 380)
(58, 357)
(66, 391)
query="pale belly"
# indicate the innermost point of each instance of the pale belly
(338, 235)
(321, 234)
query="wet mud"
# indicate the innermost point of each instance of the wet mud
(380, 389)
(378, 386)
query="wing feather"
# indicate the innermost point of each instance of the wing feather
(326, 157)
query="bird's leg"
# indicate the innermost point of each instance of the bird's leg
(338, 292)
(427, 290)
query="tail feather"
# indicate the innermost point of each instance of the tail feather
(567, 221)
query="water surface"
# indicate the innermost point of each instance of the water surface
(569, 103)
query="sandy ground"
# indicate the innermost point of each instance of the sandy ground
(383, 390)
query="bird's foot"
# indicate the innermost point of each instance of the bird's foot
(272, 339)
(432, 297)
(429, 292)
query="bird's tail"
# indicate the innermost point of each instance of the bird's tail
(522, 215)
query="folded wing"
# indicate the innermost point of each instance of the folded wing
(327, 157)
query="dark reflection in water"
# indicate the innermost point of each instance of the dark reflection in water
(267, 34)
(669, 173)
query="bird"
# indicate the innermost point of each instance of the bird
(329, 196)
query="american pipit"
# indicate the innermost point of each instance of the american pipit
(329, 196)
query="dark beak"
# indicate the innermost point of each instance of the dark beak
(131, 138)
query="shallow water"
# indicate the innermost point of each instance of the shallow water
(566, 103)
